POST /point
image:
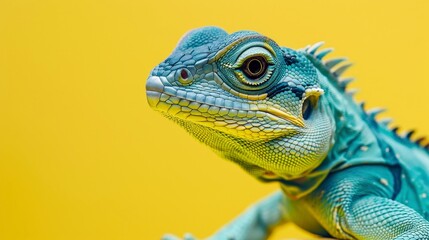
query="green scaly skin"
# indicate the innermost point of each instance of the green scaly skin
(283, 115)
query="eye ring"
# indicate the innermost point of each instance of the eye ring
(254, 67)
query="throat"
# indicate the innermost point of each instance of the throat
(354, 142)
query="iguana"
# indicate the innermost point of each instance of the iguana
(285, 115)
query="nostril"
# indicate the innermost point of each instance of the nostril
(184, 74)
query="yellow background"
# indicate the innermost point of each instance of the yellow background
(83, 157)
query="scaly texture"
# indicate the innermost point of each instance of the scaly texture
(284, 115)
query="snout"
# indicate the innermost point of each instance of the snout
(154, 89)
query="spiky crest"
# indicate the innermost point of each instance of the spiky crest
(334, 73)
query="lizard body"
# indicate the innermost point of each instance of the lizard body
(284, 115)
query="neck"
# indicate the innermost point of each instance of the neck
(354, 139)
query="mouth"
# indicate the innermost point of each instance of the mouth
(286, 116)
(155, 91)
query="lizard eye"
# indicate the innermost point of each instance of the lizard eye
(251, 68)
(254, 67)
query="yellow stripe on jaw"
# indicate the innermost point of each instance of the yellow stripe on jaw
(279, 113)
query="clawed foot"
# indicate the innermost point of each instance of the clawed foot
(187, 236)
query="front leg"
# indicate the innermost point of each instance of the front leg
(375, 217)
(356, 204)
(255, 223)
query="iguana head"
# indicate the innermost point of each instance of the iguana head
(250, 100)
